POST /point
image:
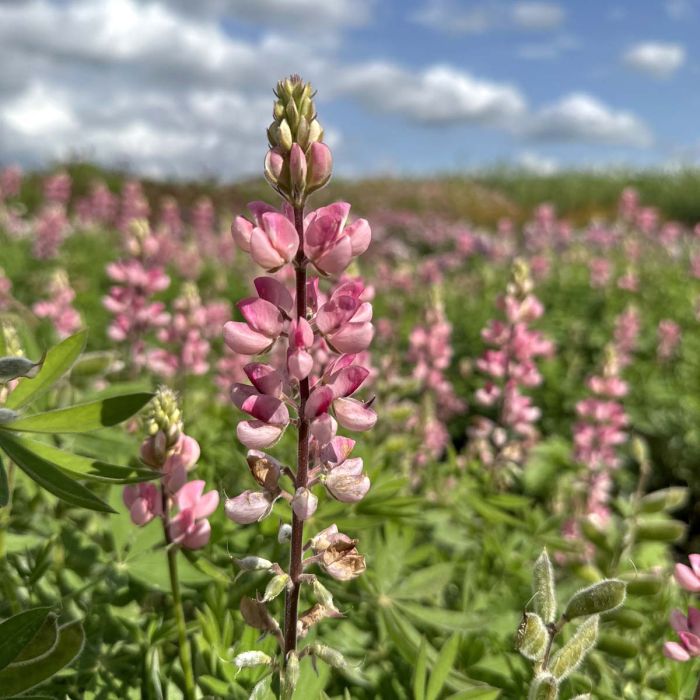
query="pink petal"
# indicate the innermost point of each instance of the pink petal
(348, 380)
(269, 289)
(336, 258)
(198, 536)
(140, 513)
(318, 402)
(691, 642)
(282, 234)
(354, 415)
(673, 650)
(257, 435)
(695, 564)
(299, 364)
(679, 622)
(265, 378)
(301, 334)
(189, 494)
(266, 408)
(207, 504)
(333, 314)
(243, 340)
(259, 208)
(324, 428)
(263, 252)
(337, 450)
(130, 494)
(352, 337)
(360, 236)
(693, 621)
(686, 578)
(241, 229)
(262, 316)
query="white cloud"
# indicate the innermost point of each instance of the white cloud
(538, 15)
(437, 95)
(452, 17)
(655, 58)
(581, 117)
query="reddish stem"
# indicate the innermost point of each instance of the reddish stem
(302, 476)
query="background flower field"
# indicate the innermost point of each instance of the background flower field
(465, 494)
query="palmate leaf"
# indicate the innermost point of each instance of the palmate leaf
(18, 631)
(59, 359)
(43, 642)
(17, 679)
(83, 417)
(80, 467)
(49, 476)
(443, 666)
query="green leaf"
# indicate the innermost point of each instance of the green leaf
(442, 667)
(42, 643)
(439, 618)
(17, 679)
(50, 476)
(424, 583)
(87, 467)
(17, 631)
(83, 417)
(59, 359)
(420, 673)
(4, 486)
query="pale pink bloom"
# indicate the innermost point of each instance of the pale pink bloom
(190, 527)
(688, 577)
(600, 271)
(270, 415)
(144, 502)
(51, 228)
(347, 481)
(274, 242)
(10, 181)
(57, 188)
(688, 630)
(304, 503)
(669, 334)
(248, 507)
(58, 308)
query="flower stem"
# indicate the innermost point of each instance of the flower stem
(183, 643)
(291, 609)
(696, 695)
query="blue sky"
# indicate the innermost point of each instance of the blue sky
(179, 88)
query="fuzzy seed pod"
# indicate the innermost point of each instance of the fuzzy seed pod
(598, 598)
(660, 530)
(7, 415)
(248, 659)
(276, 585)
(531, 638)
(545, 601)
(13, 367)
(322, 594)
(330, 656)
(669, 499)
(544, 687)
(644, 584)
(570, 656)
(253, 564)
(291, 676)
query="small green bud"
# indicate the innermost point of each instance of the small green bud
(531, 638)
(303, 133)
(13, 367)
(248, 659)
(276, 585)
(669, 499)
(7, 415)
(284, 136)
(618, 646)
(570, 656)
(626, 618)
(544, 687)
(595, 534)
(292, 116)
(322, 594)
(290, 677)
(315, 131)
(640, 450)
(598, 598)
(660, 530)
(545, 601)
(278, 111)
(253, 563)
(643, 584)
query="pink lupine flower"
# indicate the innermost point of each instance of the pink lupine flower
(249, 507)
(59, 307)
(190, 527)
(628, 204)
(626, 335)
(688, 629)
(601, 271)
(10, 181)
(347, 481)
(51, 228)
(270, 415)
(57, 188)
(688, 577)
(133, 206)
(144, 502)
(304, 503)
(669, 334)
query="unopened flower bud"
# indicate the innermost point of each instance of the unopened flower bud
(328, 655)
(319, 166)
(543, 587)
(304, 503)
(315, 131)
(248, 507)
(570, 656)
(297, 172)
(544, 687)
(531, 638)
(13, 367)
(275, 586)
(284, 534)
(669, 499)
(275, 167)
(253, 563)
(292, 115)
(660, 530)
(303, 132)
(7, 415)
(249, 659)
(598, 598)
(290, 677)
(322, 594)
(284, 136)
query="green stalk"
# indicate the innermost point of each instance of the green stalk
(183, 642)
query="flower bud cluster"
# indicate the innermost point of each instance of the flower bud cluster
(173, 454)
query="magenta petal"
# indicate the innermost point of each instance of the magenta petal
(360, 236)
(695, 563)
(259, 208)
(673, 650)
(363, 313)
(267, 408)
(686, 578)
(257, 435)
(240, 393)
(354, 415)
(269, 289)
(197, 536)
(262, 316)
(282, 235)
(333, 314)
(691, 642)
(318, 402)
(301, 334)
(679, 622)
(243, 340)
(337, 450)
(265, 378)
(241, 229)
(348, 380)
(352, 337)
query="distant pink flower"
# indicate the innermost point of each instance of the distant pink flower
(669, 334)
(688, 577)
(190, 527)
(10, 181)
(58, 307)
(51, 227)
(57, 188)
(144, 502)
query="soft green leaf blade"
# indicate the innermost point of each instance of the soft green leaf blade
(81, 467)
(442, 668)
(49, 476)
(83, 417)
(17, 631)
(43, 642)
(439, 618)
(424, 583)
(420, 673)
(17, 679)
(59, 359)
(4, 486)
